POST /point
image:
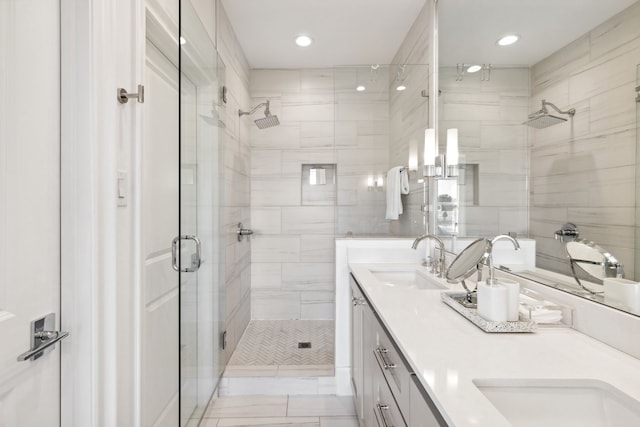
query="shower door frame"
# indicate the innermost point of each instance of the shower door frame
(201, 163)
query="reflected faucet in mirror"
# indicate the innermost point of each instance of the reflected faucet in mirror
(489, 256)
(440, 267)
(567, 233)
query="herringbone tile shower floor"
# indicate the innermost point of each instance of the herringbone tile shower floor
(275, 342)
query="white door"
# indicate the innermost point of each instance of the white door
(29, 207)
(160, 198)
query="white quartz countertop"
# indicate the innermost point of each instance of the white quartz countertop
(447, 352)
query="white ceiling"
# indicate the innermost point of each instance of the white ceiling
(469, 29)
(345, 32)
(360, 32)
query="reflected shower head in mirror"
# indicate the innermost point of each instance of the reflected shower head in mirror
(542, 119)
(269, 120)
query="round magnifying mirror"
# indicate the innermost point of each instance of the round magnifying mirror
(594, 260)
(466, 263)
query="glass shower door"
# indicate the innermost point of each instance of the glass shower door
(201, 256)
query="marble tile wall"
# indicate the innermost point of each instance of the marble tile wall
(292, 248)
(236, 180)
(584, 171)
(489, 116)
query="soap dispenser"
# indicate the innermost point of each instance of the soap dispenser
(498, 300)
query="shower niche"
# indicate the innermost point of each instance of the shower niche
(319, 186)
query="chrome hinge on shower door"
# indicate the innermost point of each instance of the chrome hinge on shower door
(195, 258)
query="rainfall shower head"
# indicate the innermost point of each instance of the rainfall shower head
(269, 120)
(542, 119)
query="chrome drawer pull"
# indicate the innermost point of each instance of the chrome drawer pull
(381, 410)
(386, 364)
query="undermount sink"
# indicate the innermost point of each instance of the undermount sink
(561, 402)
(407, 279)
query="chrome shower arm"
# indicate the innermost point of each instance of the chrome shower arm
(264, 104)
(570, 112)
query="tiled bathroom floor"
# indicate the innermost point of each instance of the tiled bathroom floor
(270, 348)
(273, 411)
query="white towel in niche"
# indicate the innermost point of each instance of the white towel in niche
(397, 184)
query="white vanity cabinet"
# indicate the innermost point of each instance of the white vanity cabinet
(358, 307)
(422, 410)
(386, 393)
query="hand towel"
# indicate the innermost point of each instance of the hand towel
(397, 184)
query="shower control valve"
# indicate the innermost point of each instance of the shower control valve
(243, 232)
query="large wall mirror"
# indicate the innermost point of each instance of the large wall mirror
(547, 126)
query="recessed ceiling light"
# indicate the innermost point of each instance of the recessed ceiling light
(401, 87)
(474, 68)
(360, 88)
(304, 41)
(508, 39)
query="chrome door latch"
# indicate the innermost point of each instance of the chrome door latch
(43, 337)
(123, 95)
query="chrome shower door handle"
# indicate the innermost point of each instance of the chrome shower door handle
(195, 258)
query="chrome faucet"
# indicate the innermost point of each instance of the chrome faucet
(516, 245)
(441, 266)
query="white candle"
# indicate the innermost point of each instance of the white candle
(430, 149)
(452, 147)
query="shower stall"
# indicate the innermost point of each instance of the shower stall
(183, 314)
(319, 176)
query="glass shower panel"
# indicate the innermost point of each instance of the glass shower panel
(637, 238)
(380, 116)
(201, 177)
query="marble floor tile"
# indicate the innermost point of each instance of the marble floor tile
(320, 406)
(271, 422)
(248, 406)
(283, 410)
(195, 422)
(339, 421)
(275, 342)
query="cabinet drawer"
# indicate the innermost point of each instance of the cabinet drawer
(423, 411)
(393, 367)
(385, 409)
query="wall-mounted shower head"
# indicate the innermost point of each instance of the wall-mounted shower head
(269, 120)
(542, 119)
